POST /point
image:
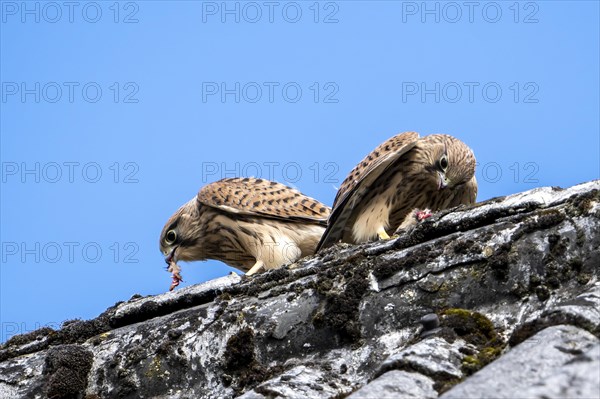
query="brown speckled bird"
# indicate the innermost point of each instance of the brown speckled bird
(250, 224)
(398, 184)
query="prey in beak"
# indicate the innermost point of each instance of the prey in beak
(174, 268)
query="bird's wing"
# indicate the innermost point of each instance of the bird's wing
(359, 181)
(381, 157)
(265, 198)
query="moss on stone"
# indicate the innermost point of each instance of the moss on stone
(154, 370)
(465, 247)
(583, 203)
(541, 220)
(22, 339)
(341, 309)
(478, 330)
(66, 370)
(240, 363)
(499, 262)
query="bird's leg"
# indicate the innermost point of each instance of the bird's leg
(383, 235)
(254, 269)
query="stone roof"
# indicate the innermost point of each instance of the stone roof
(500, 299)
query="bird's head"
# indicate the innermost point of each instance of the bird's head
(450, 161)
(180, 238)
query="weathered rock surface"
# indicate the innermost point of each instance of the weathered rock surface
(397, 384)
(514, 283)
(534, 364)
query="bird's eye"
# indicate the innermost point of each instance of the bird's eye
(444, 162)
(170, 237)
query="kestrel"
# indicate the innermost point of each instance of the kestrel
(248, 223)
(398, 184)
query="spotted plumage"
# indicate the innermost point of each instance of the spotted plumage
(248, 223)
(402, 176)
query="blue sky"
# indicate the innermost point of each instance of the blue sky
(115, 114)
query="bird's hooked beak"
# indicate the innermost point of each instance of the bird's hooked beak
(170, 255)
(443, 181)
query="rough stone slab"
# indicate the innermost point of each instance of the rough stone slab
(582, 311)
(141, 309)
(530, 363)
(585, 306)
(8, 391)
(397, 384)
(578, 379)
(537, 197)
(162, 300)
(321, 328)
(281, 316)
(434, 357)
(21, 377)
(578, 189)
(419, 271)
(298, 383)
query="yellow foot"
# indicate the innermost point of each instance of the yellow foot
(256, 268)
(382, 234)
